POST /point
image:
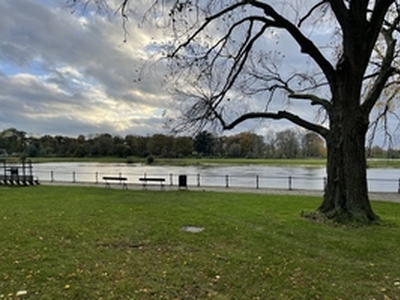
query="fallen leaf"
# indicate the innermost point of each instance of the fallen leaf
(21, 293)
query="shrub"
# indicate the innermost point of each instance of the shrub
(149, 159)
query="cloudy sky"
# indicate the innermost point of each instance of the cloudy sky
(71, 73)
(63, 73)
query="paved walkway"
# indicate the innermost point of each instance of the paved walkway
(388, 197)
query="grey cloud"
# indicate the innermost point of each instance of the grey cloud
(43, 40)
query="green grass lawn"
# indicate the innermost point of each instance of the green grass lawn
(95, 243)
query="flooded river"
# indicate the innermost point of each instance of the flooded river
(296, 177)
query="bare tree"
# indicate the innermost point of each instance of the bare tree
(287, 143)
(346, 84)
(227, 66)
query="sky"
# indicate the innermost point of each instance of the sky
(71, 74)
(64, 73)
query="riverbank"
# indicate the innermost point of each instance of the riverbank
(307, 162)
(386, 197)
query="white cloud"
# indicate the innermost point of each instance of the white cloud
(73, 72)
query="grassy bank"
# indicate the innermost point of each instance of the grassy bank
(317, 162)
(92, 243)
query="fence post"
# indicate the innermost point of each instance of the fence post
(198, 180)
(226, 181)
(170, 179)
(51, 176)
(398, 190)
(290, 183)
(257, 182)
(97, 177)
(73, 176)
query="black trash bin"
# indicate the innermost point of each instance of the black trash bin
(14, 171)
(182, 181)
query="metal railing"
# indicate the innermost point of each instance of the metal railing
(223, 180)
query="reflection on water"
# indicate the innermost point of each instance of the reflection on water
(380, 180)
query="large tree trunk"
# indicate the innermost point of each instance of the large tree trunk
(346, 193)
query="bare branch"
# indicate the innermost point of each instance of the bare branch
(306, 45)
(277, 116)
(377, 18)
(385, 72)
(240, 61)
(123, 8)
(223, 40)
(382, 118)
(314, 100)
(204, 25)
(309, 13)
(103, 7)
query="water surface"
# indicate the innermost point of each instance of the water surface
(298, 177)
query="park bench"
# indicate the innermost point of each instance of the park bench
(152, 179)
(122, 180)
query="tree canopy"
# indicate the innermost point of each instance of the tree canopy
(17, 143)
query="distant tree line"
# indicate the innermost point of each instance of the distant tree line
(283, 144)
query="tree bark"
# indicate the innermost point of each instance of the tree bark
(346, 194)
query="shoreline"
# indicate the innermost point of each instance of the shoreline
(374, 196)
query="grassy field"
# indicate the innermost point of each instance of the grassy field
(317, 162)
(93, 243)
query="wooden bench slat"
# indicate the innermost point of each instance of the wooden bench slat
(152, 179)
(120, 179)
(114, 178)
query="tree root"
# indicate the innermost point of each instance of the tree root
(339, 218)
